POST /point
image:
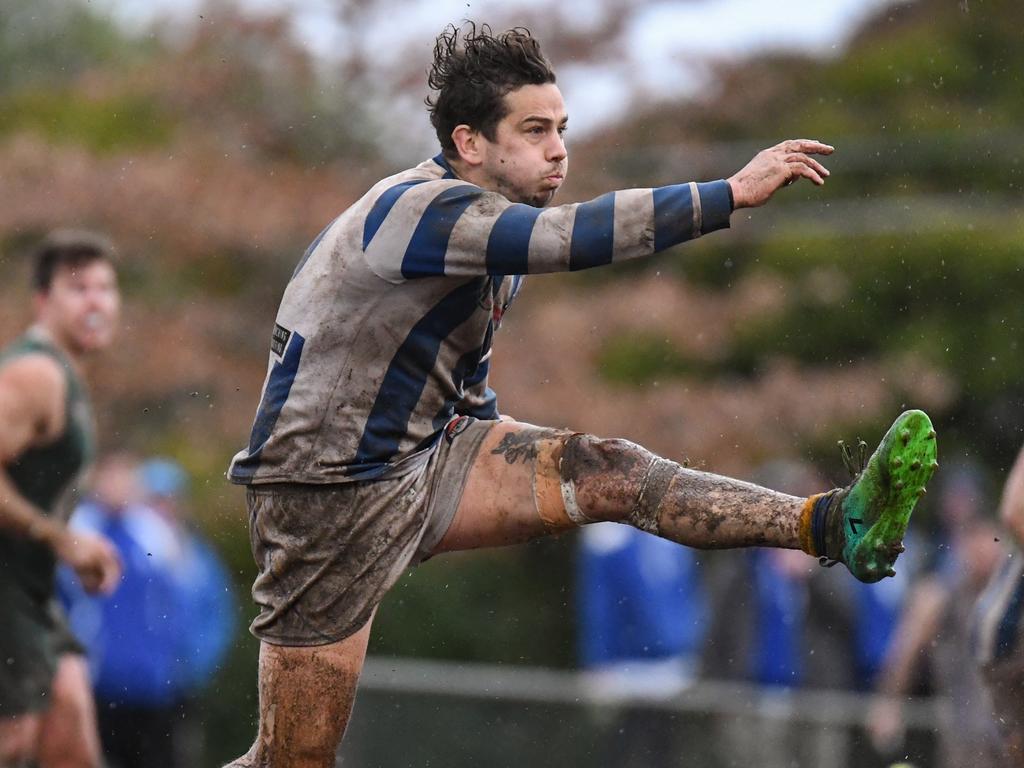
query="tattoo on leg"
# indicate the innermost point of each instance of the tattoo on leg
(522, 446)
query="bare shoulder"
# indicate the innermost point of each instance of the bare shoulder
(34, 371)
(32, 393)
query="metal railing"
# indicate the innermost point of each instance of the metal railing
(427, 713)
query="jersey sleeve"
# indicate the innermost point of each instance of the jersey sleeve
(450, 228)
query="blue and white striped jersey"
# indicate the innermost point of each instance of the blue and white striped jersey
(384, 331)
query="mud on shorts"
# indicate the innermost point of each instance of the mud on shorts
(327, 554)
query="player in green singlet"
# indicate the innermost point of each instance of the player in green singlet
(46, 442)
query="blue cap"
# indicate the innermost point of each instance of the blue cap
(163, 477)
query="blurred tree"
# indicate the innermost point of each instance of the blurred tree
(48, 42)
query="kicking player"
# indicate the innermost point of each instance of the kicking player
(378, 442)
(46, 440)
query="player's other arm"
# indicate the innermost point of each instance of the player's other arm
(32, 412)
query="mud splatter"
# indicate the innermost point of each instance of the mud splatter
(607, 474)
(709, 511)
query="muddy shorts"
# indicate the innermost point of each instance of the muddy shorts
(327, 554)
(33, 639)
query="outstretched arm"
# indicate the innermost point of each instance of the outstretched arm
(452, 228)
(32, 412)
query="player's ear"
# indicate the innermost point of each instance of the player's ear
(468, 144)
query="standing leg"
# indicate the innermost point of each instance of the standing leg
(306, 696)
(68, 736)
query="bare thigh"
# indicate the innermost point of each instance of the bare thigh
(68, 737)
(498, 506)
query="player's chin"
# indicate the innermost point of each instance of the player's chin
(96, 340)
(543, 198)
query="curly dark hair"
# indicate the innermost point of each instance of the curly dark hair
(472, 72)
(68, 248)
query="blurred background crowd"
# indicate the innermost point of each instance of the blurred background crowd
(213, 141)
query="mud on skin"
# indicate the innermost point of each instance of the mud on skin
(607, 474)
(709, 511)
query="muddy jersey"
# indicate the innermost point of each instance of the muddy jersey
(385, 329)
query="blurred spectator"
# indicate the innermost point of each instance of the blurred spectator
(642, 612)
(998, 626)
(153, 642)
(207, 602)
(935, 628)
(785, 623)
(130, 636)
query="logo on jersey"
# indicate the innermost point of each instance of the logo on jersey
(279, 340)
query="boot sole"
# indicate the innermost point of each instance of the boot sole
(907, 457)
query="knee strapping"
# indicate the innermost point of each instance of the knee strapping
(553, 490)
(623, 465)
(657, 479)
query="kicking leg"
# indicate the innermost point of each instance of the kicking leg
(306, 696)
(527, 482)
(68, 736)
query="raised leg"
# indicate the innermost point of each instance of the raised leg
(528, 482)
(306, 697)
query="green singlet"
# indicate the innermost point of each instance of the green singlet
(35, 633)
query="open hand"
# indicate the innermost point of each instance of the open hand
(777, 167)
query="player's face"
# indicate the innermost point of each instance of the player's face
(527, 161)
(82, 306)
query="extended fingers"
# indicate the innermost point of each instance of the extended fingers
(799, 157)
(802, 169)
(806, 145)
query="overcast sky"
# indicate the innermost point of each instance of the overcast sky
(667, 45)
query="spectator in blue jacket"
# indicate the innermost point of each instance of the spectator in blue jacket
(206, 599)
(642, 614)
(157, 638)
(642, 610)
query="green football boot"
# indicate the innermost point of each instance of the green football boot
(862, 525)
